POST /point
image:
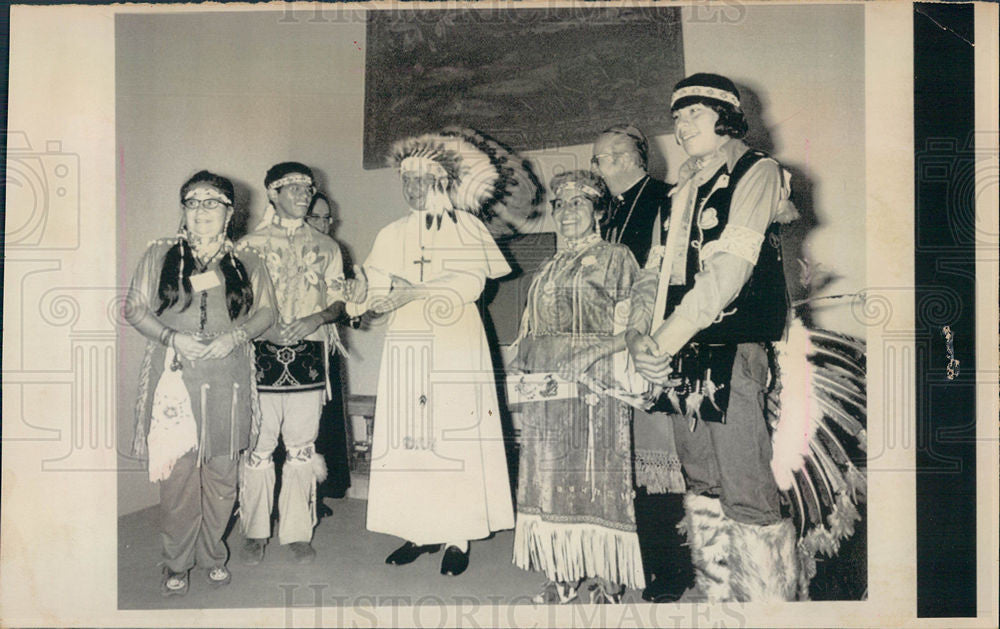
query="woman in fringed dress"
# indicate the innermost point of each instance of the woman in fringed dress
(575, 515)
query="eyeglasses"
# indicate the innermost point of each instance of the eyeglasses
(576, 203)
(595, 160)
(316, 217)
(205, 204)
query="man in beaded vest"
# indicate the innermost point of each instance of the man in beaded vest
(722, 291)
(291, 366)
(639, 207)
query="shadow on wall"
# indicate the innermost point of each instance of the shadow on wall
(803, 279)
(244, 200)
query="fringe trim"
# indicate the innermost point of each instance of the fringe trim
(241, 489)
(659, 472)
(139, 448)
(255, 412)
(203, 446)
(233, 451)
(570, 552)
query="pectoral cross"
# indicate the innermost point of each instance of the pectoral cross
(422, 261)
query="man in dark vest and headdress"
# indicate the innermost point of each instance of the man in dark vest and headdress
(722, 293)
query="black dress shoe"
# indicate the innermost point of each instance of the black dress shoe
(667, 588)
(455, 561)
(408, 553)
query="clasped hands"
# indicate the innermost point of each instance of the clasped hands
(190, 348)
(355, 289)
(654, 365)
(650, 362)
(402, 292)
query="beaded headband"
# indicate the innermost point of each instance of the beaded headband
(707, 92)
(216, 193)
(582, 187)
(289, 179)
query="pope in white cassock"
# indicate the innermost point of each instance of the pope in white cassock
(439, 469)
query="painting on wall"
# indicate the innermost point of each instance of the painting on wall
(531, 78)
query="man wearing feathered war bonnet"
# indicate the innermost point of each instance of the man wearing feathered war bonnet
(722, 295)
(292, 361)
(439, 471)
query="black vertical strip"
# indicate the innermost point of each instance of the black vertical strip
(944, 118)
(5, 60)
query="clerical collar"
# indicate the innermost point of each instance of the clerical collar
(634, 189)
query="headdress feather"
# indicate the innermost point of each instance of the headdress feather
(817, 414)
(483, 174)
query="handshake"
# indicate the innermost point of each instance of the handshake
(364, 310)
(354, 289)
(651, 363)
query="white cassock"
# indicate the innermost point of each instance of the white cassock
(439, 470)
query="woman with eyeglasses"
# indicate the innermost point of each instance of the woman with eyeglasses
(319, 216)
(575, 516)
(198, 300)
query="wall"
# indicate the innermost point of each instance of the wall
(238, 92)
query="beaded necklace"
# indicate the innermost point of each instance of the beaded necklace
(201, 262)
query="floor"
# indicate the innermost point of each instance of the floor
(350, 566)
(350, 569)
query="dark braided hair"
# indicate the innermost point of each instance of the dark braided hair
(239, 292)
(179, 263)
